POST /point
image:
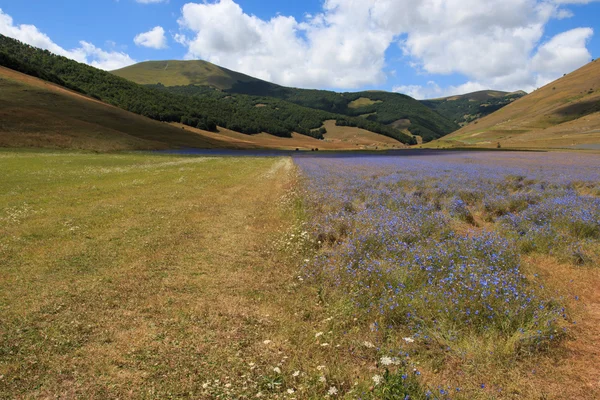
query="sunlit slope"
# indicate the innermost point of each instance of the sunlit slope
(35, 113)
(183, 73)
(482, 95)
(563, 114)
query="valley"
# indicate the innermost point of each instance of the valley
(174, 229)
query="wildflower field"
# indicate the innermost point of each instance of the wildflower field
(442, 256)
(419, 275)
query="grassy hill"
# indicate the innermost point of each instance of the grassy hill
(369, 106)
(205, 108)
(39, 114)
(35, 113)
(466, 108)
(183, 73)
(562, 114)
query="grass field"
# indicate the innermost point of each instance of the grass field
(139, 276)
(363, 102)
(135, 276)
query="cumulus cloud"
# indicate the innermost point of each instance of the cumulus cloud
(562, 54)
(496, 43)
(154, 38)
(86, 53)
(332, 49)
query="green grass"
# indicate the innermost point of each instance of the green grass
(134, 272)
(182, 73)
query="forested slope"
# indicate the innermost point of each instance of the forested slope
(362, 109)
(206, 109)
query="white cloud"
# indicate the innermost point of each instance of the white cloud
(86, 53)
(333, 49)
(432, 90)
(492, 43)
(154, 38)
(562, 54)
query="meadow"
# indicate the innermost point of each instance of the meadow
(459, 265)
(434, 275)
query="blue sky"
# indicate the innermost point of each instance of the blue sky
(415, 47)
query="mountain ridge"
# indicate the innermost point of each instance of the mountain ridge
(206, 110)
(385, 108)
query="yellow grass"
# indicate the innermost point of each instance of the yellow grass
(363, 102)
(355, 138)
(139, 276)
(182, 73)
(559, 115)
(34, 113)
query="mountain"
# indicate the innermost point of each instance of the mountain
(397, 111)
(466, 108)
(183, 73)
(562, 114)
(36, 113)
(206, 108)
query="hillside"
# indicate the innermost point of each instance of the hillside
(466, 108)
(364, 107)
(562, 114)
(35, 113)
(183, 73)
(205, 109)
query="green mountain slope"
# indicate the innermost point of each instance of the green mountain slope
(182, 73)
(391, 109)
(206, 109)
(466, 108)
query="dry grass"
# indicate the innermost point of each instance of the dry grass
(355, 138)
(138, 276)
(336, 138)
(34, 113)
(363, 102)
(563, 114)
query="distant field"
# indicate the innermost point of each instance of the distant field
(337, 138)
(354, 138)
